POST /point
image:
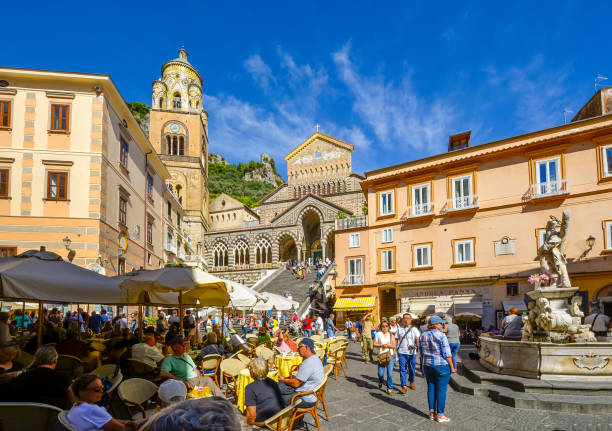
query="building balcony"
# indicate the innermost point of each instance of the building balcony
(419, 211)
(461, 204)
(353, 280)
(548, 190)
(351, 222)
(171, 248)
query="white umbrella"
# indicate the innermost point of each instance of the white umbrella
(276, 302)
(241, 296)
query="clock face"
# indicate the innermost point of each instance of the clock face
(174, 128)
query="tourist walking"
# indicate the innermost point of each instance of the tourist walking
(407, 347)
(600, 323)
(367, 325)
(385, 343)
(452, 334)
(330, 326)
(437, 365)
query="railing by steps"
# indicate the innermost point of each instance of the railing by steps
(303, 309)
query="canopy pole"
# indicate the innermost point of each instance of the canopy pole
(40, 324)
(23, 314)
(197, 323)
(223, 322)
(139, 317)
(181, 311)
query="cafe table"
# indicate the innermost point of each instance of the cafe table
(244, 378)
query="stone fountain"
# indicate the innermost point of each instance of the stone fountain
(555, 345)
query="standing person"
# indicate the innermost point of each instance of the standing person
(407, 346)
(385, 342)
(123, 323)
(307, 325)
(438, 366)
(174, 318)
(367, 326)
(161, 326)
(318, 324)
(452, 334)
(95, 322)
(349, 328)
(512, 325)
(599, 322)
(5, 328)
(330, 326)
(188, 323)
(357, 329)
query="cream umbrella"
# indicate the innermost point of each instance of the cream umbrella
(241, 296)
(276, 302)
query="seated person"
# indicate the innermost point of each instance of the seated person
(262, 397)
(49, 336)
(196, 415)
(212, 347)
(309, 376)
(172, 392)
(85, 414)
(279, 342)
(74, 347)
(180, 366)
(264, 337)
(107, 330)
(127, 339)
(173, 332)
(146, 351)
(289, 341)
(42, 383)
(9, 367)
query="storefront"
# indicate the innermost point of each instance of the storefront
(354, 307)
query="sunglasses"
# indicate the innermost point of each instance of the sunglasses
(97, 389)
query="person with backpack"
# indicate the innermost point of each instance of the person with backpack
(307, 326)
(407, 347)
(188, 322)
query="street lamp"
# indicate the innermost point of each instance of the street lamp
(67, 241)
(590, 241)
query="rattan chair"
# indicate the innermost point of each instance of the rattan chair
(264, 353)
(210, 367)
(317, 337)
(299, 412)
(230, 368)
(143, 370)
(98, 345)
(25, 359)
(62, 418)
(136, 393)
(283, 420)
(115, 355)
(321, 395)
(70, 365)
(28, 416)
(243, 358)
(111, 372)
(334, 357)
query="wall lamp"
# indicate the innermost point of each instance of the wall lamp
(71, 253)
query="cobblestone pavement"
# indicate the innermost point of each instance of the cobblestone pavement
(355, 403)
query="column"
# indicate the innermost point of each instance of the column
(323, 247)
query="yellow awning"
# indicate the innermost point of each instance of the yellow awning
(355, 303)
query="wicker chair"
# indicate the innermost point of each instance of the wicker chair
(115, 355)
(230, 368)
(283, 420)
(111, 372)
(243, 358)
(98, 345)
(210, 367)
(25, 359)
(299, 412)
(71, 365)
(28, 416)
(143, 370)
(264, 353)
(136, 393)
(334, 357)
(62, 418)
(321, 395)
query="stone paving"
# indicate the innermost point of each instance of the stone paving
(355, 403)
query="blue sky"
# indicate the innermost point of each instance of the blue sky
(393, 78)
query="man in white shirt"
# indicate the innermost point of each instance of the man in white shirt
(147, 351)
(407, 346)
(319, 325)
(599, 322)
(123, 323)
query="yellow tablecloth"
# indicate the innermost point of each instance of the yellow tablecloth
(244, 378)
(284, 363)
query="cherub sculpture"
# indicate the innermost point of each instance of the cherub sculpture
(550, 253)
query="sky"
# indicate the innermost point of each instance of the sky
(394, 79)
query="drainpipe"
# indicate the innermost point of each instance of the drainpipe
(146, 197)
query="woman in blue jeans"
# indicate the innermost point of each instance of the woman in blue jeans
(437, 366)
(385, 342)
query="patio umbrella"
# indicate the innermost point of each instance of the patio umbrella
(276, 302)
(241, 296)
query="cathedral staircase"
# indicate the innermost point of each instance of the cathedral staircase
(285, 281)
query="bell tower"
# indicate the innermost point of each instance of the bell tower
(178, 130)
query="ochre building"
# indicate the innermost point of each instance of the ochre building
(459, 232)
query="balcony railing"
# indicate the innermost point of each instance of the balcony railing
(420, 210)
(250, 223)
(549, 188)
(353, 280)
(462, 203)
(351, 222)
(171, 248)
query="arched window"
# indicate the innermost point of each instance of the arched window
(181, 149)
(179, 194)
(241, 253)
(168, 145)
(161, 103)
(263, 251)
(220, 254)
(176, 100)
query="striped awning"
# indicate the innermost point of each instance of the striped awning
(355, 303)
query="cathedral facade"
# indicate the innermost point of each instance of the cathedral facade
(295, 221)
(178, 130)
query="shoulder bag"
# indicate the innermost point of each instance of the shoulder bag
(386, 357)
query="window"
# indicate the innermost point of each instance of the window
(241, 253)
(512, 289)
(149, 231)
(354, 240)
(463, 251)
(178, 219)
(169, 241)
(548, 176)
(121, 265)
(387, 235)
(606, 153)
(60, 117)
(220, 254)
(386, 203)
(123, 210)
(421, 200)
(421, 255)
(5, 113)
(540, 233)
(462, 192)
(608, 234)
(8, 251)
(123, 156)
(169, 210)
(4, 182)
(355, 271)
(56, 185)
(176, 101)
(387, 262)
(149, 186)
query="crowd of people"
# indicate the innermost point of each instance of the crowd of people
(300, 269)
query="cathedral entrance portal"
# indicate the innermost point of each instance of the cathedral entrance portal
(311, 226)
(287, 249)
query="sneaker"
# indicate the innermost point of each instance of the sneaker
(442, 418)
(432, 416)
(389, 392)
(404, 389)
(412, 386)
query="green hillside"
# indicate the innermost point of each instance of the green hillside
(229, 179)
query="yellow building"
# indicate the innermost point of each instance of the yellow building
(459, 232)
(75, 165)
(178, 130)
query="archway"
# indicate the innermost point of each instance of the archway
(287, 248)
(311, 226)
(330, 247)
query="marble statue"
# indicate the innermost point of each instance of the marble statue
(552, 260)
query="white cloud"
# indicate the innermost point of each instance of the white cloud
(259, 70)
(397, 116)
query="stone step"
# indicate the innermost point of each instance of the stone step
(588, 404)
(286, 281)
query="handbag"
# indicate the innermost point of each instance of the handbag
(384, 358)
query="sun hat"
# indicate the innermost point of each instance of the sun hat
(172, 389)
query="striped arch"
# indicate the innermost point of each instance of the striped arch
(307, 208)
